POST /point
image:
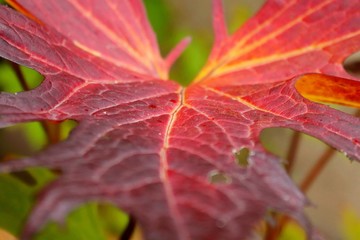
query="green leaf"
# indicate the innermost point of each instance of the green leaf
(90, 221)
(82, 224)
(17, 198)
(113, 220)
(9, 81)
(15, 203)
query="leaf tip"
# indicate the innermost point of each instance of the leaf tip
(219, 23)
(324, 88)
(177, 51)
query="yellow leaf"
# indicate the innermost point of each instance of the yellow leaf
(350, 224)
(5, 235)
(292, 231)
(322, 88)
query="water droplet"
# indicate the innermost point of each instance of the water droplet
(269, 217)
(351, 158)
(220, 223)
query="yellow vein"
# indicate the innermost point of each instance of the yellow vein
(164, 167)
(242, 101)
(236, 52)
(108, 32)
(282, 56)
(231, 54)
(131, 33)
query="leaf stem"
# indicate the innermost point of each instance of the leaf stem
(129, 230)
(52, 131)
(319, 166)
(273, 232)
(291, 155)
(316, 169)
(357, 113)
(20, 76)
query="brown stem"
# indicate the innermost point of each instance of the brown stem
(309, 179)
(20, 76)
(270, 234)
(305, 185)
(129, 230)
(319, 166)
(51, 130)
(291, 155)
(273, 232)
(316, 169)
(357, 113)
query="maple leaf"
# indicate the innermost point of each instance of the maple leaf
(153, 147)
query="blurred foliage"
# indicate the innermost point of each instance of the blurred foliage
(88, 222)
(292, 231)
(17, 196)
(350, 224)
(243, 13)
(169, 34)
(8, 77)
(33, 132)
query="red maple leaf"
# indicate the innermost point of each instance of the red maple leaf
(151, 146)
